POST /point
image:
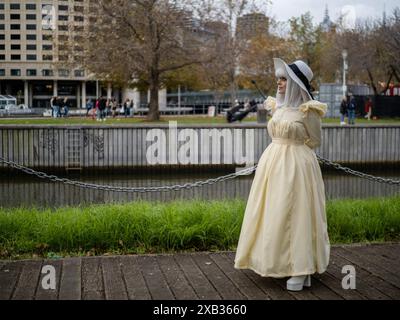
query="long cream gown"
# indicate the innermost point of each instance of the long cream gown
(284, 230)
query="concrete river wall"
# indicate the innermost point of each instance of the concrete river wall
(102, 147)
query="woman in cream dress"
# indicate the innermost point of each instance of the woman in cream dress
(284, 230)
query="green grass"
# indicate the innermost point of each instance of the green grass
(156, 227)
(188, 119)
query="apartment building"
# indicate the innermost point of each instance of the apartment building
(34, 35)
(252, 24)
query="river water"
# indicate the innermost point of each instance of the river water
(27, 191)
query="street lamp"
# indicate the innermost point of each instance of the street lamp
(345, 67)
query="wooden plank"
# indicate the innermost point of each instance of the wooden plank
(70, 284)
(320, 290)
(218, 279)
(155, 280)
(388, 256)
(176, 280)
(114, 286)
(268, 285)
(49, 294)
(379, 282)
(334, 284)
(380, 144)
(324, 150)
(142, 146)
(196, 278)
(92, 280)
(120, 147)
(391, 251)
(357, 258)
(9, 275)
(28, 280)
(134, 280)
(239, 279)
(359, 145)
(363, 285)
(335, 272)
(129, 147)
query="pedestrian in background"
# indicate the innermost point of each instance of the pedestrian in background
(127, 108)
(113, 104)
(368, 109)
(132, 107)
(102, 108)
(53, 103)
(343, 110)
(107, 110)
(96, 110)
(89, 106)
(65, 108)
(351, 110)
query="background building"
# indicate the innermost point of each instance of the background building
(35, 51)
(251, 25)
(33, 40)
(327, 25)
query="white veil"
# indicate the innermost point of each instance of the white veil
(294, 95)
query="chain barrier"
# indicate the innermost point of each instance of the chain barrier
(245, 171)
(357, 173)
(80, 184)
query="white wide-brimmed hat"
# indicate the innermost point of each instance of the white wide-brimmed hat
(299, 72)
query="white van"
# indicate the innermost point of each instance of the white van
(7, 102)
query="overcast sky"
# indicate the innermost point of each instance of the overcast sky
(282, 10)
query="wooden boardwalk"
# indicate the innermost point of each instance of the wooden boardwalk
(199, 276)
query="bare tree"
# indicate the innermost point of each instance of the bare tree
(223, 73)
(138, 42)
(256, 61)
(367, 54)
(388, 34)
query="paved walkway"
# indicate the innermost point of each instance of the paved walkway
(199, 276)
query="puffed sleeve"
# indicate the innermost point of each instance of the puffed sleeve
(270, 104)
(313, 112)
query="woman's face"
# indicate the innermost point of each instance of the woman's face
(281, 85)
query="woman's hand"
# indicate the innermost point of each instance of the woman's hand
(269, 105)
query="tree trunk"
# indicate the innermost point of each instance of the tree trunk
(233, 87)
(154, 113)
(233, 92)
(371, 78)
(395, 73)
(387, 83)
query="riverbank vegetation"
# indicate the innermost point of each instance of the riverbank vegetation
(156, 227)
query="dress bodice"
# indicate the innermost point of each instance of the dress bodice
(287, 123)
(301, 125)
